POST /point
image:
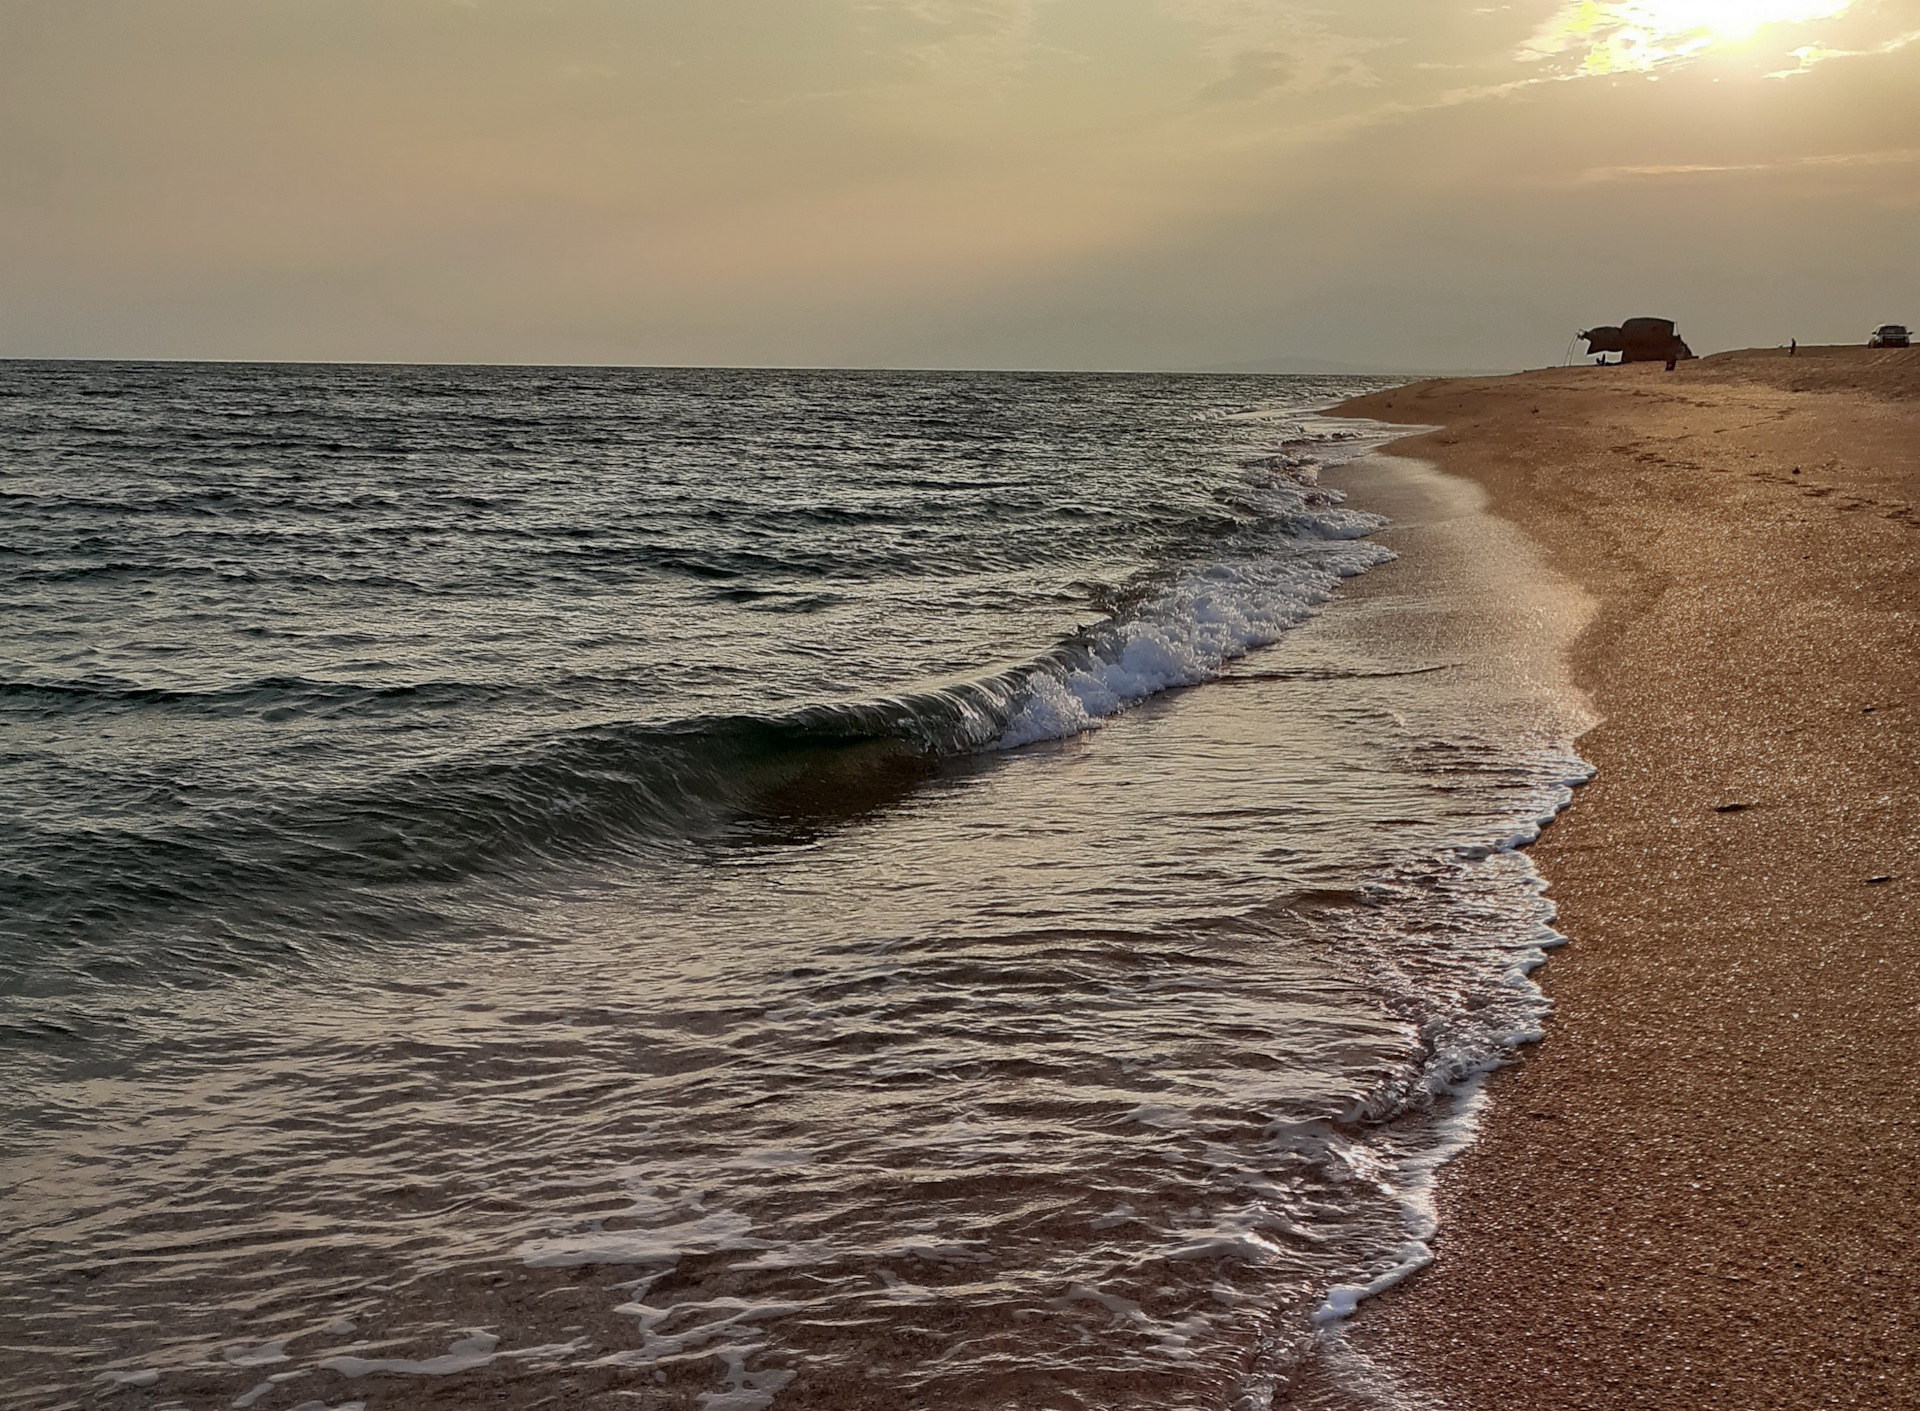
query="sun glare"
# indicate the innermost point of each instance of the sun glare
(1636, 36)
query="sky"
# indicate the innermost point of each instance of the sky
(1152, 184)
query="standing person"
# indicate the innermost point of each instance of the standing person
(1793, 347)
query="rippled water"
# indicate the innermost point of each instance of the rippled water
(577, 888)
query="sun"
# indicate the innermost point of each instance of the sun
(1731, 21)
(1636, 36)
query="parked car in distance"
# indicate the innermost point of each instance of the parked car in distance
(1891, 335)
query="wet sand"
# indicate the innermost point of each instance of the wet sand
(1703, 1187)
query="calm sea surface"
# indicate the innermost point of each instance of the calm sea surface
(608, 888)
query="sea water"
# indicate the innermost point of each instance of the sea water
(728, 889)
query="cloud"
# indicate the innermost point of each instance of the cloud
(964, 38)
(1601, 37)
(1258, 46)
(1893, 157)
(1252, 74)
(1810, 55)
(727, 180)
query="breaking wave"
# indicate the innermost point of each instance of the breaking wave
(355, 859)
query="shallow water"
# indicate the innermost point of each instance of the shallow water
(664, 935)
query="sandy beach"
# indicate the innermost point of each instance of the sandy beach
(1703, 1187)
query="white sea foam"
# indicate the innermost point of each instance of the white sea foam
(265, 1355)
(885, 1044)
(476, 1350)
(666, 1244)
(1172, 1338)
(1187, 633)
(144, 1377)
(465, 1354)
(1458, 1067)
(723, 1329)
(746, 1390)
(1184, 636)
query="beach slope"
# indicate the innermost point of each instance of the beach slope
(1703, 1188)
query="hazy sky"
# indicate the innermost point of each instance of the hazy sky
(980, 183)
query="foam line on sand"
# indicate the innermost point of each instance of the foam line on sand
(1703, 1188)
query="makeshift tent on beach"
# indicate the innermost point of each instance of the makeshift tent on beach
(1640, 340)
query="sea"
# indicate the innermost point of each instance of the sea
(729, 889)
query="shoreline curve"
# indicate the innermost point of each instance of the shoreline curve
(1702, 1187)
